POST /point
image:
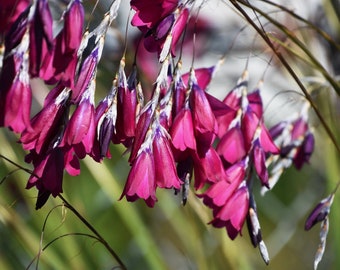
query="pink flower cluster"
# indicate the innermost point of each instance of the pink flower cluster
(181, 135)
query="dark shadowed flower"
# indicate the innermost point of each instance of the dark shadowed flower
(14, 8)
(47, 174)
(320, 212)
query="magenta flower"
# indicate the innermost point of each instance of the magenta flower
(208, 169)
(126, 106)
(182, 131)
(141, 179)
(150, 13)
(165, 169)
(46, 127)
(16, 103)
(41, 36)
(162, 23)
(14, 8)
(233, 214)
(80, 130)
(47, 174)
(205, 125)
(15, 90)
(61, 64)
(231, 146)
(220, 192)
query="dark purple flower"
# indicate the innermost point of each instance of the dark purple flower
(320, 212)
(47, 174)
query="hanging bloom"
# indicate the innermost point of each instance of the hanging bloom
(47, 127)
(320, 212)
(221, 191)
(161, 22)
(41, 36)
(231, 146)
(126, 105)
(141, 179)
(14, 8)
(47, 174)
(15, 90)
(61, 64)
(205, 125)
(208, 169)
(233, 214)
(165, 169)
(80, 130)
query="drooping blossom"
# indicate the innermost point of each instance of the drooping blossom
(41, 36)
(232, 214)
(15, 90)
(14, 8)
(161, 22)
(61, 64)
(47, 126)
(296, 144)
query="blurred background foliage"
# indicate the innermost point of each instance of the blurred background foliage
(172, 236)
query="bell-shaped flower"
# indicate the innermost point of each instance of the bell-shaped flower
(305, 151)
(232, 215)
(182, 131)
(223, 113)
(141, 179)
(47, 126)
(80, 130)
(165, 169)
(61, 64)
(205, 125)
(231, 147)
(15, 90)
(150, 13)
(16, 103)
(41, 36)
(208, 169)
(220, 192)
(320, 211)
(47, 174)
(126, 105)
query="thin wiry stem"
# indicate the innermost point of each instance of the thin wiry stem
(287, 67)
(82, 219)
(94, 231)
